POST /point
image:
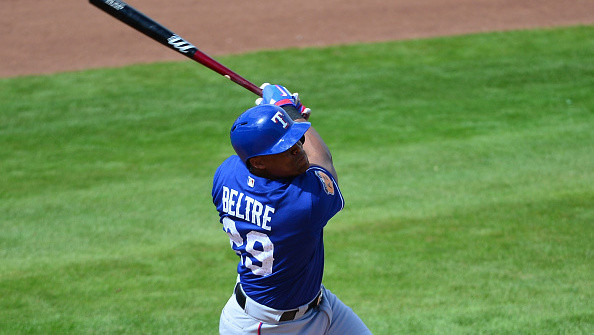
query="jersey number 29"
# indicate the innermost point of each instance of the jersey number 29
(257, 245)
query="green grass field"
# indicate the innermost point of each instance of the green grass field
(467, 165)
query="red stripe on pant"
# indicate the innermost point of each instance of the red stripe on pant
(259, 328)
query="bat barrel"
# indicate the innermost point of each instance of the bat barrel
(137, 20)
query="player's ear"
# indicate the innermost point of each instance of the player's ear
(257, 163)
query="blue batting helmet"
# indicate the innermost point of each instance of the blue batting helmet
(265, 130)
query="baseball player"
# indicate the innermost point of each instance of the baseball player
(274, 198)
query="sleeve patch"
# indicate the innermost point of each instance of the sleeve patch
(327, 183)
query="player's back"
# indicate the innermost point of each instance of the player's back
(275, 228)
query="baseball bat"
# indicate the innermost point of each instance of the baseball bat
(137, 20)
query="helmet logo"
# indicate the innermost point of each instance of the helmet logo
(278, 117)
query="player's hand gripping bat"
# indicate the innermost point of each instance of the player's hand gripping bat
(135, 19)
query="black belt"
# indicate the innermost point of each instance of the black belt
(288, 315)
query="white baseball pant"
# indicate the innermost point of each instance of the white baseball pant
(331, 317)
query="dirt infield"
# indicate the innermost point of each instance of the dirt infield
(38, 36)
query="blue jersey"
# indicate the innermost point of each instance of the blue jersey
(275, 227)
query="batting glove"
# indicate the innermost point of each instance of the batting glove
(278, 95)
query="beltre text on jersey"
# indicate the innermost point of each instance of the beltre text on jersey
(246, 208)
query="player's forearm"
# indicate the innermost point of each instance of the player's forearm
(318, 152)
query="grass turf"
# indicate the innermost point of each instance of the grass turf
(466, 163)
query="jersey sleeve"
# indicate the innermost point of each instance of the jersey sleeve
(327, 199)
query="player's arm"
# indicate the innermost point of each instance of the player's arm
(317, 151)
